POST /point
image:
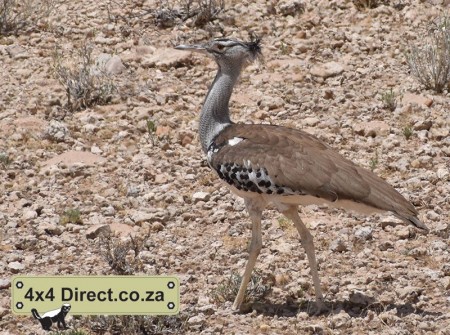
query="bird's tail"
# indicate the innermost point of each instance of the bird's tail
(35, 314)
(414, 221)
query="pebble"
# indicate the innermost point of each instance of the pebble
(57, 131)
(403, 233)
(409, 98)
(197, 319)
(201, 196)
(360, 298)
(29, 215)
(338, 245)
(327, 70)
(97, 230)
(364, 233)
(372, 128)
(16, 267)
(5, 283)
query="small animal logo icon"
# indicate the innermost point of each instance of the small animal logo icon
(56, 315)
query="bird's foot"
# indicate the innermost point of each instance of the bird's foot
(320, 307)
(241, 308)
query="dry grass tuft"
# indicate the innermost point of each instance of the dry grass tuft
(135, 324)
(200, 11)
(430, 63)
(18, 16)
(122, 255)
(256, 289)
(86, 83)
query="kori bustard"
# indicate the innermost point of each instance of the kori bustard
(266, 164)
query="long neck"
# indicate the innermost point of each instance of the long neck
(215, 113)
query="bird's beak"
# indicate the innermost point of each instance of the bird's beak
(195, 47)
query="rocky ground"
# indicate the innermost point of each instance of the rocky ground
(134, 166)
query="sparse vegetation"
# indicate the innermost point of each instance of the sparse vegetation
(135, 324)
(17, 16)
(365, 4)
(284, 223)
(72, 215)
(122, 255)
(373, 163)
(5, 161)
(200, 11)
(151, 129)
(389, 100)
(256, 289)
(407, 132)
(285, 48)
(70, 332)
(430, 62)
(86, 83)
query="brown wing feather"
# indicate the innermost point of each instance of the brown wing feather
(300, 161)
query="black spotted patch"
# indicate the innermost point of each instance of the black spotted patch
(252, 179)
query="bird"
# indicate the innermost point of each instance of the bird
(280, 166)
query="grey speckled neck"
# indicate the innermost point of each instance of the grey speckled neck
(215, 114)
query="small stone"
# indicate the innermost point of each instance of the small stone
(443, 174)
(433, 216)
(57, 131)
(5, 283)
(409, 98)
(197, 319)
(403, 233)
(141, 217)
(16, 267)
(439, 133)
(338, 246)
(364, 233)
(310, 121)
(142, 50)
(422, 125)
(313, 329)
(17, 52)
(50, 229)
(29, 215)
(200, 196)
(108, 211)
(326, 70)
(166, 58)
(409, 293)
(264, 328)
(386, 245)
(340, 320)
(121, 229)
(96, 150)
(271, 103)
(290, 7)
(114, 65)
(163, 131)
(328, 94)
(443, 229)
(372, 128)
(360, 298)
(157, 226)
(97, 230)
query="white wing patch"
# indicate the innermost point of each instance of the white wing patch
(234, 141)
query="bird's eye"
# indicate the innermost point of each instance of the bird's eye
(220, 47)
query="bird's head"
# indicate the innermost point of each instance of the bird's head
(230, 54)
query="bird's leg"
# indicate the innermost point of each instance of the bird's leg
(254, 208)
(308, 244)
